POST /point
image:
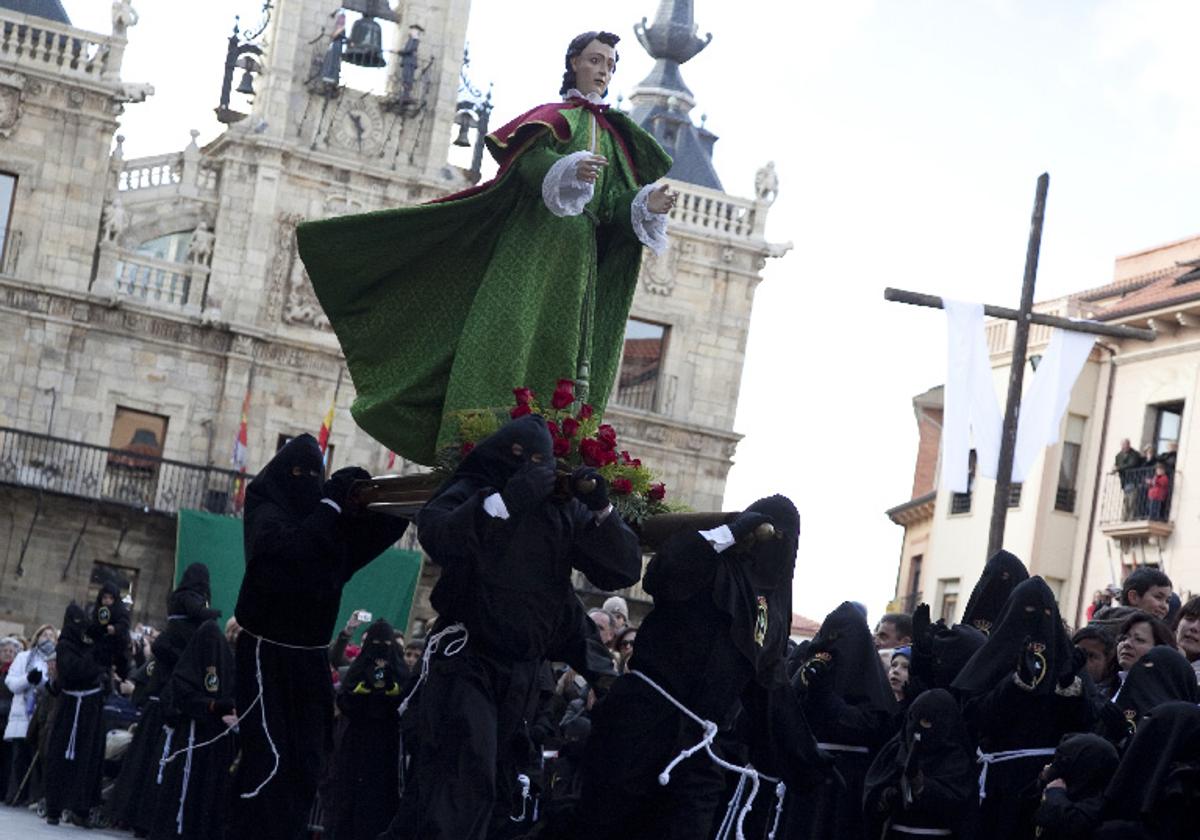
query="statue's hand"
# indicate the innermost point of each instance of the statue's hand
(661, 200)
(588, 169)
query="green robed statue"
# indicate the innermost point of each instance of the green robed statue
(448, 306)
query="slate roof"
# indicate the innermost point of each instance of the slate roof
(48, 9)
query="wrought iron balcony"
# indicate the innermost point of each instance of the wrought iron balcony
(1127, 510)
(125, 477)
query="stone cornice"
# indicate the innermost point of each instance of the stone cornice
(659, 431)
(168, 329)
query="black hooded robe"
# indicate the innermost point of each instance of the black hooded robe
(1162, 675)
(366, 785)
(109, 629)
(74, 755)
(1004, 715)
(135, 794)
(300, 553)
(1001, 575)
(508, 582)
(1155, 793)
(1086, 763)
(715, 641)
(193, 802)
(852, 712)
(924, 777)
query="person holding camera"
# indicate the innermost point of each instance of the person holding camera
(507, 543)
(305, 538)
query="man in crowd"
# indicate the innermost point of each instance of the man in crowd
(604, 625)
(1147, 589)
(1127, 461)
(893, 630)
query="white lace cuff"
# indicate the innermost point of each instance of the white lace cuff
(651, 228)
(563, 193)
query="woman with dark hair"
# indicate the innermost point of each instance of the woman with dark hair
(546, 255)
(1138, 633)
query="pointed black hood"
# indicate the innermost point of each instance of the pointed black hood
(196, 579)
(1001, 575)
(1167, 737)
(1031, 615)
(753, 585)
(1162, 675)
(378, 642)
(292, 480)
(1086, 763)
(494, 461)
(858, 675)
(74, 625)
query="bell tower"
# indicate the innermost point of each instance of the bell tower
(364, 80)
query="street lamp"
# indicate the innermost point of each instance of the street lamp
(238, 56)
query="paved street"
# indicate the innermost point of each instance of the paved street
(23, 824)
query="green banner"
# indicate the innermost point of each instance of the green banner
(385, 587)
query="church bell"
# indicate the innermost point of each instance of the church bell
(365, 47)
(246, 85)
(464, 121)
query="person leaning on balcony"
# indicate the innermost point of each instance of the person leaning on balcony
(1158, 487)
(1187, 633)
(1128, 460)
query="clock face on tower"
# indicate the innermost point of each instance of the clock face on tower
(358, 128)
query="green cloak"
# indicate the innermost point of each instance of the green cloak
(448, 306)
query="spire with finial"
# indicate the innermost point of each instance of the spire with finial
(662, 102)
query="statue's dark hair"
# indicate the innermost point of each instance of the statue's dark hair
(578, 43)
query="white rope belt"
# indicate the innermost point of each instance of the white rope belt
(179, 617)
(848, 748)
(922, 832)
(162, 762)
(736, 812)
(988, 759)
(432, 644)
(187, 777)
(78, 695)
(260, 701)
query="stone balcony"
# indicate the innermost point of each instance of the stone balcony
(130, 477)
(1127, 513)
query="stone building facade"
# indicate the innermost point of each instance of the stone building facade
(142, 300)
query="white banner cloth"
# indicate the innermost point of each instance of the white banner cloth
(1045, 401)
(972, 413)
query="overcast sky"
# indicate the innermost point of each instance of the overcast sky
(907, 136)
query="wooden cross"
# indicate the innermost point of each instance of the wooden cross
(1016, 375)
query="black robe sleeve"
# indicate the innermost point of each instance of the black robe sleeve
(453, 526)
(606, 552)
(842, 722)
(1062, 819)
(684, 566)
(78, 669)
(369, 536)
(580, 647)
(193, 605)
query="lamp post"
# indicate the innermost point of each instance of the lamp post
(473, 111)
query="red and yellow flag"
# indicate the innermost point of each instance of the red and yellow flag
(240, 448)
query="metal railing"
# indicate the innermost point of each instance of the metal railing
(640, 395)
(52, 47)
(152, 279)
(119, 476)
(1127, 496)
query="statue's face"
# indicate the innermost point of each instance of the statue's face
(594, 68)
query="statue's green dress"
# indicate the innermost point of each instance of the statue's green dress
(450, 305)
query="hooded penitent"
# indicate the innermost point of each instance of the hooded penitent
(1000, 577)
(291, 480)
(1157, 781)
(1160, 676)
(378, 646)
(933, 743)
(858, 675)
(498, 456)
(1086, 763)
(753, 585)
(1030, 621)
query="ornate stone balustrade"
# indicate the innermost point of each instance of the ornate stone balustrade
(712, 211)
(156, 171)
(35, 44)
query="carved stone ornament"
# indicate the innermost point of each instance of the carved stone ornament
(11, 86)
(290, 282)
(658, 273)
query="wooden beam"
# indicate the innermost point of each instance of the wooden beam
(1093, 327)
